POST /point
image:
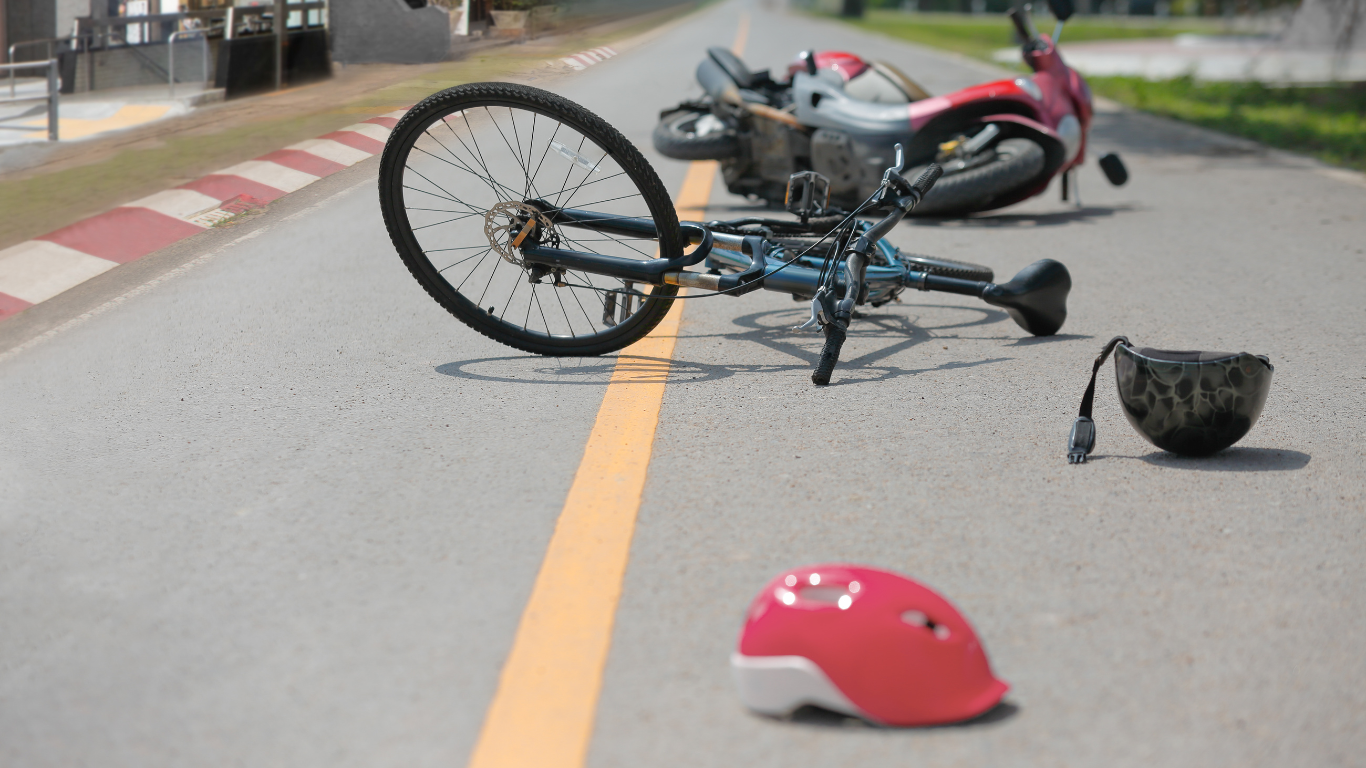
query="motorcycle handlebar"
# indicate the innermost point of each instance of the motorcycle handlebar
(1020, 16)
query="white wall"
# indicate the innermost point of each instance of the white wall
(67, 12)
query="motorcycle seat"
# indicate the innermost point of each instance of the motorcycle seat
(732, 66)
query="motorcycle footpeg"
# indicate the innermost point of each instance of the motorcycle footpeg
(1114, 169)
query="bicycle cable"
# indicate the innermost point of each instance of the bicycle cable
(862, 207)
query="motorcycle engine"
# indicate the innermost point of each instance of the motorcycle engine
(834, 157)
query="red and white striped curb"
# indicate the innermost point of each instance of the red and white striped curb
(582, 61)
(39, 269)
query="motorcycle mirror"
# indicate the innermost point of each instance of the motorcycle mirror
(809, 59)
(1114, 169)
(1062, 9)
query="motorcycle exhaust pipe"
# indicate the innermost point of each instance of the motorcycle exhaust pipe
(732, 96)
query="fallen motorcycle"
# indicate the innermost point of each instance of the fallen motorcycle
(838, 115)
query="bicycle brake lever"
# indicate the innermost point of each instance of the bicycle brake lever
(817, 307)
(815, 316)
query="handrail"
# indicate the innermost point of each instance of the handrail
(54, 90)
(170, 54)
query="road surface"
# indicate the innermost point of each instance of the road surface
(267, 504)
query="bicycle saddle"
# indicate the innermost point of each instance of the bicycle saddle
(1036, 298)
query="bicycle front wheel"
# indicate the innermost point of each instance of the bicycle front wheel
(465, 171)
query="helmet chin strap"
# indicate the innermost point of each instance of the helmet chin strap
(1083, 438)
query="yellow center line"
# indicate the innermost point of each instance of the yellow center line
(542, 714)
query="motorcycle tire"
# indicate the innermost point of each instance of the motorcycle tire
(674, 138)
(1017, 162)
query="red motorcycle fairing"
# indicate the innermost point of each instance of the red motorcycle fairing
(1065, 92)
(847, 65)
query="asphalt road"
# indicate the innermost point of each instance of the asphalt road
(275, 507)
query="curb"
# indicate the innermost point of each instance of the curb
(37, 270)
(581, 61)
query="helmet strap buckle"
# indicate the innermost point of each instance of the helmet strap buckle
(1083, 437)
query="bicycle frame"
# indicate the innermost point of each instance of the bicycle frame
(720, 250)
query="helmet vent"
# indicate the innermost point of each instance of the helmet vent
(919, 619)
(833, 595)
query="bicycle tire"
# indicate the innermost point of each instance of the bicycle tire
(1017, 162)
(936, 265)
(673, 139)
(454, 106)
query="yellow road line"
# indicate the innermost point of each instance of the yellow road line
(542, 714)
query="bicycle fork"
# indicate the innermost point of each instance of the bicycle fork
(837, 317)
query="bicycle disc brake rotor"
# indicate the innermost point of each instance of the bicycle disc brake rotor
(508, 223)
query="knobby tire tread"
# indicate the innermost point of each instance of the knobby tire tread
(830, 354)
(671, 143)
(1019, 162)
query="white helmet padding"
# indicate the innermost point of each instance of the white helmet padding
(777, 685)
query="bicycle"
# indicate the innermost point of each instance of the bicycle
(489, 187)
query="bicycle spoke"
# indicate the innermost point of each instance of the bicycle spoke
(463, 204)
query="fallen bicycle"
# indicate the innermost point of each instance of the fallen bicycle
(539, 225)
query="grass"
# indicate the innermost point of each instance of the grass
(40, 201)
(981, 36)
(1328, 121)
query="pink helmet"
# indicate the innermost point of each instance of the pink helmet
(865, 642)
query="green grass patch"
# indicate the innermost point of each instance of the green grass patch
(1328, 122)
(981, 36)
(35, 204)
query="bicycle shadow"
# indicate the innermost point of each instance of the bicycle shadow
(771, 329)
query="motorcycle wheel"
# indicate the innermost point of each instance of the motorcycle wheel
(677, 137)
(1017, 162)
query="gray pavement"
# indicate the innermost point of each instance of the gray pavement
(280, 509)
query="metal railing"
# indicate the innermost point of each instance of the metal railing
(253, 19)
(54, 90)
(256, 19)
(170, 54)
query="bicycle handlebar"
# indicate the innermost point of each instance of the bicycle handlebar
(902, 203)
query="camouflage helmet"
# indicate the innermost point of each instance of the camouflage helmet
(1191, 403)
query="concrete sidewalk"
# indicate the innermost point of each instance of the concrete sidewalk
(46, 186)
(98, 113)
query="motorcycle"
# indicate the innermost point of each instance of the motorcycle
(837, 115)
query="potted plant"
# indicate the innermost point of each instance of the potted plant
(543, 17)
(510, 16)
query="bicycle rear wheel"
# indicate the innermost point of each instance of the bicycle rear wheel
(467, 168)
